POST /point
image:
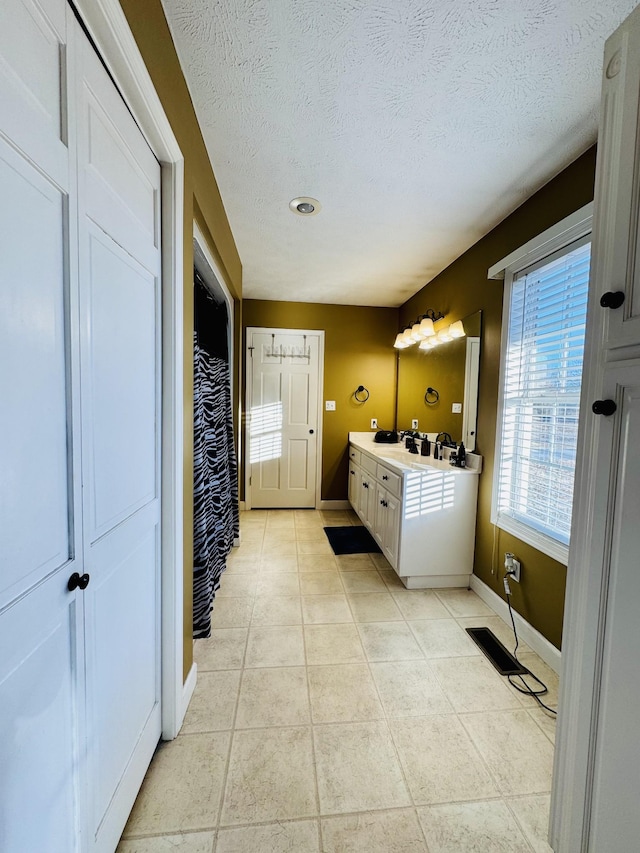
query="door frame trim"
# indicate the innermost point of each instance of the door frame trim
(247, 405)
(109, 29)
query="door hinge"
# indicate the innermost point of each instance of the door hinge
(250, 480)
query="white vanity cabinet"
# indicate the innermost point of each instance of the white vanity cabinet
(421, 512)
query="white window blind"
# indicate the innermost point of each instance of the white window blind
(537, 438)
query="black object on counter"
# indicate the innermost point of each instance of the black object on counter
(386, 436)
(425, 447)
(461, 461)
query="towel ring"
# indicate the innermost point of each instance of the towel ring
(433, 394)
(361, 390)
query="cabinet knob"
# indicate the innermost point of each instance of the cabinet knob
(353, 473)
(384, 477)
(603, 407)
(381, 503)
(612, 299)
(77, 581)
(366, 485)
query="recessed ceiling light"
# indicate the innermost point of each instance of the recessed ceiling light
(305, 206)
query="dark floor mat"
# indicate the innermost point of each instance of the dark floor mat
(351, 540)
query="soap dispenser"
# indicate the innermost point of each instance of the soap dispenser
(425, 447)
(461, 461)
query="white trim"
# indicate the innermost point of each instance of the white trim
(242, 506)
(109, 29)
(188, 687)
(527, 633)
(248, 391)
(551, 547)
(571, 228)
(334, 505)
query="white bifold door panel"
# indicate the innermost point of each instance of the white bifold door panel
(284, 381)
(79, 441)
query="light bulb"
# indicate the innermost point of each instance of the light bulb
(407, 339)
(456, 330)
(444, 335)
(426, 328)
(416, 334)
(399, 343)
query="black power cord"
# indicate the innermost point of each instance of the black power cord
(525, 688)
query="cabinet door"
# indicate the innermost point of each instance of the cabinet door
(616, 257)
(380, 523)
(392, 528)
(354, 485)
(367, 498)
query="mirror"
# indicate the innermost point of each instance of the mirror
(452, 370)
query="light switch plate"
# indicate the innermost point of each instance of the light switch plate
(414, 423)
(456, 408)
(374, 423)
(330, 405)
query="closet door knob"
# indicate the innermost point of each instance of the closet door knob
(604, 407)
(83, 582)
(612, 299)
(73, 582)
(310, 432)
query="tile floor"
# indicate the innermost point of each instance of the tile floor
(337, 711)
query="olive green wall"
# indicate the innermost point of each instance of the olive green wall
(357, 351)
(202, 202)
(461, 289)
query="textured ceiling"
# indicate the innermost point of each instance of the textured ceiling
(418, 124)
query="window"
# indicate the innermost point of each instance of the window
(541, 370)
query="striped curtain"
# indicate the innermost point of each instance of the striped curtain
(215, 493)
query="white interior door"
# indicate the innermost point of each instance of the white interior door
(284, 384)
(119, 242)
(40, 519)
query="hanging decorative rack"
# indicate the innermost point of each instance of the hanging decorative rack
(288, 352)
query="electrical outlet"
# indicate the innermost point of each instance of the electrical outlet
(330, 405)
(414, 423)
(512, 566)
(456, 408)
(374, 423)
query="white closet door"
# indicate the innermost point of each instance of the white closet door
(40, 618)
(119, 243)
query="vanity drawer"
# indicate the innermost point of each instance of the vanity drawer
(388, 479)
(354, 455)
(368, 463)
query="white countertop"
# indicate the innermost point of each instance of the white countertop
(398, 457)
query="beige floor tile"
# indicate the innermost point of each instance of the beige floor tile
(463, 602)
(319, 609)
(278, 583)
(273, 697)
(298, 836)
(241, 565)
(388, 641)
(420, 604)
(357, 768)
(343, 694)
(309, 521)
(532, 813)
(311, 534)
(237, 586)
(280, 518)
(254, 515)
(270, 777)
(275, 646)
(232, 612)
(381, 562)
(391, 579)
(184, 842)
(409, 689)
(279, 536)
(317, 563)
(320, 583)
(440, 761)
(544, 672)
(472, 684)
(488, 827)
(374, 607)
(373, 832)
(247, 550)
(274, 564)
(518, 754)
(544, 719)
(223, 650)
(500, 628)
(332, 644)
(443, 638)
(252, 534)
(214, 702)
(335, 517)
(182, 788)
(363, 582)
(277, 610)
(355, 562)
(279, 549)
(315, 548)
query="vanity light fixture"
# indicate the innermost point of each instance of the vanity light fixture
(422, 332)
(456, 330)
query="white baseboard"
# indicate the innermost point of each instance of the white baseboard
(534, 639)
(242, 506)
(187, 689)
(334, 505)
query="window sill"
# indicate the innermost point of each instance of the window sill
(551, 547)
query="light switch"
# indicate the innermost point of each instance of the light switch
(456, 408)
(330, 405)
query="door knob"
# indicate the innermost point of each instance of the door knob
(77, 581)
(310, 432)
(612, 299)
(604, 407)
